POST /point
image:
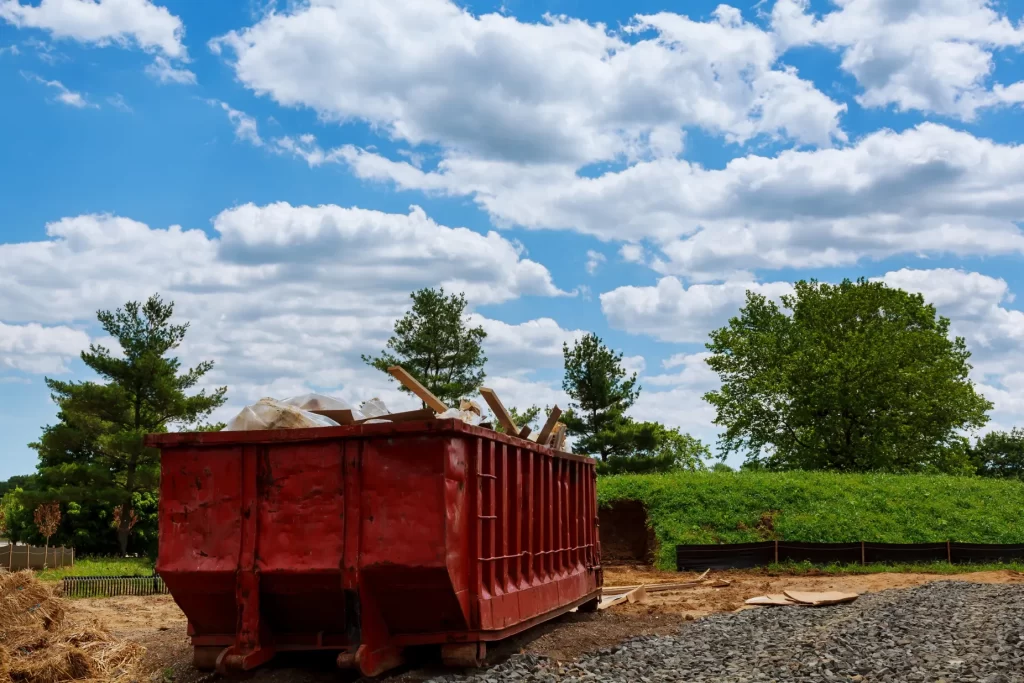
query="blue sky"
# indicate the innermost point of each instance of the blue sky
(575, 167)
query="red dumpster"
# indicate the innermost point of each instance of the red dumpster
(368, 539)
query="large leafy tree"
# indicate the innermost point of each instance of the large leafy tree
(1000, 454)
(435, 343)
(600, 391)
(656, 448)
(857, 376)
(95, 453)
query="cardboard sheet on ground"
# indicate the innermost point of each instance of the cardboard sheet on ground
(770, 600)
(820, 598)
(806, 598)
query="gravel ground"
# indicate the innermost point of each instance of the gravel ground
(945, 631)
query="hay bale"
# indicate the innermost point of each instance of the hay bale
(5, 666)
(41, 643)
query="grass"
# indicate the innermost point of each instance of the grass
(822, 507)
(101, 566)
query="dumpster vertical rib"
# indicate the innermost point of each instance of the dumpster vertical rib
(551, 511)
(506, 519)
(491, 511)
(531, 560)
(574, 484)
(543, 516)
(520, 519)
(563, 522)
(478, 545)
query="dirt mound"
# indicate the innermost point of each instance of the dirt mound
(40, 643)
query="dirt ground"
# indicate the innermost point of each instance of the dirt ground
(158, 624)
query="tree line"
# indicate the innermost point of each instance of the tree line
(851, 377)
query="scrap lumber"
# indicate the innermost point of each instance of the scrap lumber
(410, 383)
(657, 587)
(549, 426)
(525, 432)
(499, 411)
(557, 440)
(345, 417)
(636, 596)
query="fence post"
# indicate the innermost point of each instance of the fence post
(28, 557)
(72, 557)
(949, 552)
(862, 562)
(776, 551)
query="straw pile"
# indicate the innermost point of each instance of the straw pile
(39, 645)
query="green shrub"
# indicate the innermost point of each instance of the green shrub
(822, 507)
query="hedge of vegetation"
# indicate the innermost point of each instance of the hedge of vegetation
(824, 507)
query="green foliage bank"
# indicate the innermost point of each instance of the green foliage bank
(821, 507)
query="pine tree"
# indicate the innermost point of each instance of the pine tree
(96, 451)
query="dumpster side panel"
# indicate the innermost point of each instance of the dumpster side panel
(536, 536)
(407, 515)
(200, 532)
(301, 508)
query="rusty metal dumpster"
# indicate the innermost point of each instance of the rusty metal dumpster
(369, 539)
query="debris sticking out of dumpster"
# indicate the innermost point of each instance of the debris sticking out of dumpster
(38, 643)
(318, 410)
(268, 413)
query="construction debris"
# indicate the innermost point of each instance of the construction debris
(820, 598)
(268, 413)
(410, 383)
(318, 410)
(636, 596)
(38, 644)
(496, 406)
(659, 587)
(806, 598)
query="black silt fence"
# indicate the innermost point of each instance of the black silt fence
(746, 555)
(113, 586)
(732, 556)
(820, 553)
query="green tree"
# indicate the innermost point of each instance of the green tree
(1000, 454)
(600, 392)
(656, 448)
(721, 467)
(859, 376)
(18, 518)
(96, 451)
(435, 344)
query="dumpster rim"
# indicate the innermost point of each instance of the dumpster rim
(405, 429)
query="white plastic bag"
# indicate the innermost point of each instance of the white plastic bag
(467, 416)
(374, 408)
(268, 413)
(317, 402)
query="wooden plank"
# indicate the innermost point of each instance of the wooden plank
(525, 432)
(549, 426)
(410, 383)
(407, 416)
(499, 411)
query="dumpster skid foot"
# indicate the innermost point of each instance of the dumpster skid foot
(205, 658)
(464, 655)
(233, 663)
(375, 662)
